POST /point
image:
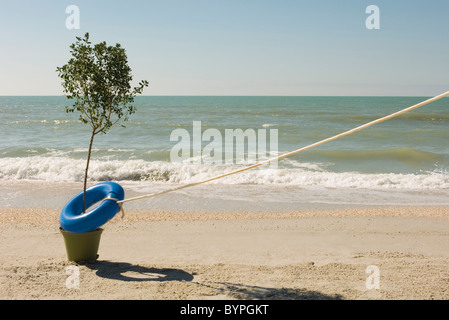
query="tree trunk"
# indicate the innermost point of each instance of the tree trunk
(87, 169)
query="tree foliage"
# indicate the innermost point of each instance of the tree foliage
(98, 78)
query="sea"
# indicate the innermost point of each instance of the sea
(171, 141)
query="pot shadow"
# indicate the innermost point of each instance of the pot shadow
(124, 271)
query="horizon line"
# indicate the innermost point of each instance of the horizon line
(268, 96)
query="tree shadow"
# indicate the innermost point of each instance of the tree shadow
(124, 271)
(247, 292)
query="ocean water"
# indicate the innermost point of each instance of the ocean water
(402, 159)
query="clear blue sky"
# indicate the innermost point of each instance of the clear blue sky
(237, 47)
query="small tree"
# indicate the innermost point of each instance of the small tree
(97, 78)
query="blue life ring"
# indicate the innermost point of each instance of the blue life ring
(72, 218)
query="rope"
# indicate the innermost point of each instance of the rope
(119, 204)
(366, 125)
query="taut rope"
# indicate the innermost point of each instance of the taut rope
(366, 125)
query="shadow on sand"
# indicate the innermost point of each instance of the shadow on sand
(247, 292)
(124, 271)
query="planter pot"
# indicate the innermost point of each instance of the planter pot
(82, 246)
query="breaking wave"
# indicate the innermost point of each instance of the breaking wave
(62, 169)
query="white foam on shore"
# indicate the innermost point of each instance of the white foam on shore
(61, 169)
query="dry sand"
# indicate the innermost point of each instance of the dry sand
(323, 254)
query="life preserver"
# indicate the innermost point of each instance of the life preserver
(73, 219)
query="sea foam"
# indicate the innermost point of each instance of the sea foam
(60, 169)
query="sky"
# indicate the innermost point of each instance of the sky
(237, 47)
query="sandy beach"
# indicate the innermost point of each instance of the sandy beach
(312, 254)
